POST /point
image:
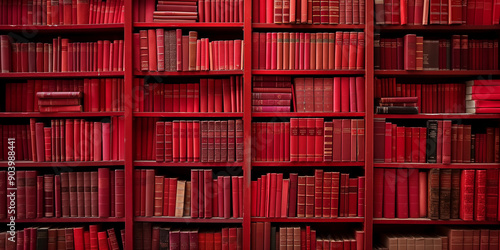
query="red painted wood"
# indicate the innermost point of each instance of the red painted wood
(443, 73)
(436, 165)
(186, 220)
(185, 164)
(273, 26)
(191, 73)
(309, 72)
(58, 114)
(60, 75)
(73, 28)
(441, 116)
(437, 28)
(423, 221)
(307, 114)
(196, 26)
(188, 115)
(64, 164)
(311, 220)
(306, 164)
(68, 220)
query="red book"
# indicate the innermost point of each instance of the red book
(346, 139)
(388, 142)
(337, 140)
(227, 197)
(491, 194)
(402, 193)
(400, 144)
(104, 192)
(208, 192)
(389, 193)
(410, 46)
(352, 191)
(480, 196)
(271, 211)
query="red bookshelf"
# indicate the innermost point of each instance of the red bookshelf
(75, 28)
(246, 28)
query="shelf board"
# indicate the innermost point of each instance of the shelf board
(310, 220)
(191, 73)
(439, 116)
(308, 114)
(439, 165)
(307, 72)
(425, 221)
(305, 164)
(59, 114)
(266, 26)
(64, 164)
(187, 220)
(188, 114)
(198, 26)
(73, 28)
(68, 220)
(186, 164)
(436, 28)
(442, 73)
(40, 75)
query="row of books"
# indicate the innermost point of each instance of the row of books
(270, 237)
(418, 12)
(445, 238)
(413, 52)
(61, 13)
(169, 50)
(173, 11)
(396, 105)
(65, 140)
(438, 194)
(309, 12)
(59, 101)
(272, 94)
(439, 142)
(189, 141)
(201, 197)
(481, 98)
(104, 94)
(95, 237)
(430, 97)
(309, 140)
(316, 51)
(60, 56)
(69, 194)
(324, 195)
(149, 236)
(207, 95)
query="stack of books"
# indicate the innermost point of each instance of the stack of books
(397, 105)
(481, 96)
(272, 94)
(176, 12)
(59, 101)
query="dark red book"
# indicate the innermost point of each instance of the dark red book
(103, 192)
(353, 197)
(389, 191)
(346, 139)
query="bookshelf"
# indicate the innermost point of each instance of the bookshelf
(129, 164)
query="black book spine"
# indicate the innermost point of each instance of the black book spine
(431, 149)
(397, 110)
(164, 238)
(273, 238)
(42, 238)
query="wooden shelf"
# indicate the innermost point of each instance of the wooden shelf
(437, 28)
(439, 165)
(308, 72)
(191, 73)
(272, 26)
(58, 114)
(73, 28)
(64, 164)
(68, 220)
(305, 164)
(436, 73)
(311, 220)
(188, 115)
(188, 220)
(425, 221)
(186, 164)
(308, 114)
(459, 116)
(43, 75)
(198, 26)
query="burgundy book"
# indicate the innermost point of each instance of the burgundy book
(103, 192)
